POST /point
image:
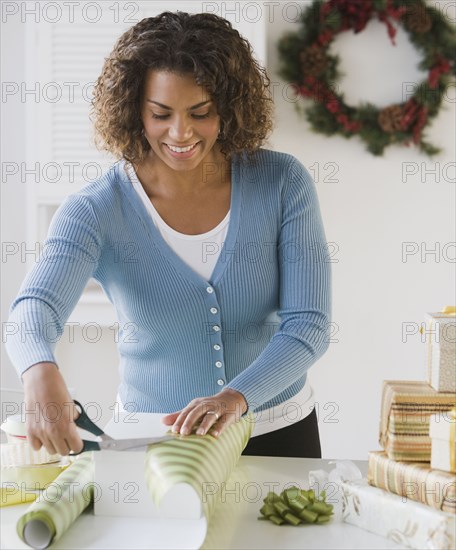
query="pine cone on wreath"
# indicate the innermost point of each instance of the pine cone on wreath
(389, 118)
(417, 19)
(313, 60)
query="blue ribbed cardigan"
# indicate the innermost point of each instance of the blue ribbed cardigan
(256, 326)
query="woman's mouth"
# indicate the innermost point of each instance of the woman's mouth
(181, 152)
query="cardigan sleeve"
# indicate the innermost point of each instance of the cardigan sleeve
(52, 288)
(304, 297)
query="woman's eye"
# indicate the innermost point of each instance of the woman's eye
(164, 117)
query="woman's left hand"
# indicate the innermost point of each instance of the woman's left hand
(216, 412)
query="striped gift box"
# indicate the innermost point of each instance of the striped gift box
(404, 422)
(414, 480)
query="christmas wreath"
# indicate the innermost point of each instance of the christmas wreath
(308, 65)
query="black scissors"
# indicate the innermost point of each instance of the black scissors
(107, 442)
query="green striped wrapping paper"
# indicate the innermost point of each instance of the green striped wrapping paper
(196, 461)
(414, 480)
(59, 505)
(404, 425)
(229, 507)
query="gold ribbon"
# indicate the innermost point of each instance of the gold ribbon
(449, 310)
(10, 496)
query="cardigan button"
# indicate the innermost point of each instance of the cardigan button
(210, 289)
(213, 310)
(217, 347)
(218, 364)
(216, 328)
(220, 382)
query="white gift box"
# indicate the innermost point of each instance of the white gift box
(441, 349)
(404, 521)
(442, 428)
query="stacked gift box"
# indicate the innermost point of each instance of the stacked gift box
(410, 492)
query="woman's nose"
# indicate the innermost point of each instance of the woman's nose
(180, 129)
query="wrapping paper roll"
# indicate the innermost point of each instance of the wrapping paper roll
(173, 472)
(201, 463)
(227, 510)
(59, 505)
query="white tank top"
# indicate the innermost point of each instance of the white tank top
(201, 252)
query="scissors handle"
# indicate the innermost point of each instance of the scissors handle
(88, 446)
(84, 422)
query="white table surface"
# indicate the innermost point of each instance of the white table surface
(234, 523)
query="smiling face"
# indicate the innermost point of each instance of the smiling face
(180, 121)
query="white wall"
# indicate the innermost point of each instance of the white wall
(368, 211)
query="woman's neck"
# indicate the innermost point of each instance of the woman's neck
(158, 178)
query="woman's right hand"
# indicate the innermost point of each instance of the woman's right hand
(49, 410)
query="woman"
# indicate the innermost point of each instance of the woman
(209, 245)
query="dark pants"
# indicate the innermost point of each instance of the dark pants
(300, 439)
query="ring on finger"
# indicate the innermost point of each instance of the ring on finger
(213, 412)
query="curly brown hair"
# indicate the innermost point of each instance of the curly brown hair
(202, 44)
